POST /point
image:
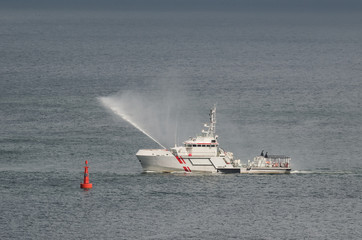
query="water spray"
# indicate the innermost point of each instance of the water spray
(107, 102)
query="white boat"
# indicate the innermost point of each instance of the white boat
(199, 154)
(268, 164)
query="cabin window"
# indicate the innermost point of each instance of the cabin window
(204, 145)
(199, 145)
(212, 145)
(194, 145)
(189, 145)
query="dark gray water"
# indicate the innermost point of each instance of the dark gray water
(288, 82)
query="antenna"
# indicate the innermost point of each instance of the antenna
(176, 133)
(212, 127)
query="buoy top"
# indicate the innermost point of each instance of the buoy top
(86, 162)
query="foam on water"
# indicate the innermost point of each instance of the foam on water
(320, 172)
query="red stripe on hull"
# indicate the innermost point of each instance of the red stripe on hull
(178, 159)
(183, 160)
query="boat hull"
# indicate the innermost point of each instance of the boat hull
(160, 160)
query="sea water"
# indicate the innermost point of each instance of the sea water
(284, 82)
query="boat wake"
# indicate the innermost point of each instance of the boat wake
(317, 171)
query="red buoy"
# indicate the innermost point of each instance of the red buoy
(86, 184)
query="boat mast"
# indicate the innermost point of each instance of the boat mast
(212, 121)
(210, 132)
